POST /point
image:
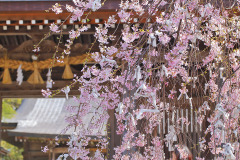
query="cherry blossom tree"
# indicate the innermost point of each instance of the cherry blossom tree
(180, 53)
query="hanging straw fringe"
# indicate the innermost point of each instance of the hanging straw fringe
(6, 75)
(27, 66)
(35, 77)
(67, 74)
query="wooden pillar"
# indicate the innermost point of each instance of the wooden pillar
(53, 155)
(26, 153)
(110, 134)
(49, 155)
(113, 138)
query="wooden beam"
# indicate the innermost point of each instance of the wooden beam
(44, 18)
(65, 150)
(27, 90)
(41, 15)
(15, 34)
(95, 149)
(60, 150)
(34, 94)
(41, 5)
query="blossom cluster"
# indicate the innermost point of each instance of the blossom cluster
(188, 57)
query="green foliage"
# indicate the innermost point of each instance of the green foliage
(14, 152)
(9, 107)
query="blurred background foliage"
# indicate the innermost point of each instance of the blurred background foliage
(15, 153)
(9, 107)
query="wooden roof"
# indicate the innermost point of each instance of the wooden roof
(43, 117)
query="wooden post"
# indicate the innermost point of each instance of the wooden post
(53, 155)
(111, 132)
(194, 151)
(113, 138)
(49, 155)
(26, 153)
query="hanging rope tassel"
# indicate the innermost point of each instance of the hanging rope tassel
(6, 75)
(35, 77)
(67, 74)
